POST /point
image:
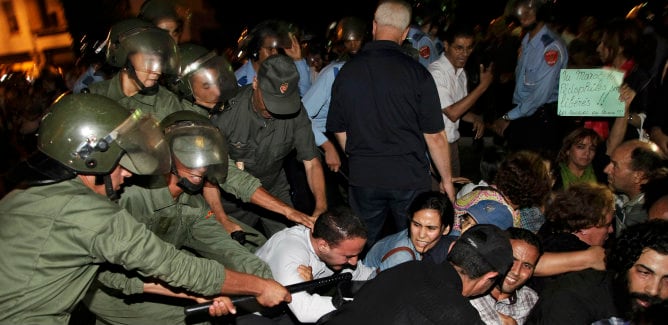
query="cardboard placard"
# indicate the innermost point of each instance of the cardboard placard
(590, 92)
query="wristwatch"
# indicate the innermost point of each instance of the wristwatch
(505, 117)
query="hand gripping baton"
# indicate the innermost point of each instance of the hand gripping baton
(245, 301)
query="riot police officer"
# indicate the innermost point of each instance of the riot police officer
(56, 236)
(268, 38)
(175, 211)
(205, 84)
(144, 53)
(164, 14)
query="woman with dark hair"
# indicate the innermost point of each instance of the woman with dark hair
(431, 218)
(578, 159)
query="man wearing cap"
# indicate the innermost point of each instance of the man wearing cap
(426, 293)
(510, 300)
(486, 212)
(263, 122)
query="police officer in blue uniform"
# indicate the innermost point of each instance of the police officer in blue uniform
(533, 123)
(266, 39)
(349, 35)
(428, 49)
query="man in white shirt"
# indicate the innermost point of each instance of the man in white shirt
(451, 82)
(510, 301)
(333, 245)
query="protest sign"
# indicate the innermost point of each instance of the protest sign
(590, 92)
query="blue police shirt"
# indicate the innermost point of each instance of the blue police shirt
(317, 98)
(542, 58)
(427, 51)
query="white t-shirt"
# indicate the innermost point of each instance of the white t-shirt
(451, 86)
(291, 247)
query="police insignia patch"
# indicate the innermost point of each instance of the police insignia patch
(425, 52)
(551, 57)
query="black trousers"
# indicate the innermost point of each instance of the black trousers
(541, 132)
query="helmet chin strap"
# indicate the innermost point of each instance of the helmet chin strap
(147, 91)
(217, 107)
(112, 194)
(186, 185)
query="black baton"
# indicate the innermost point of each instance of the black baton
(297, 287)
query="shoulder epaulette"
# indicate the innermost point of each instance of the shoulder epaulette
(546, 39)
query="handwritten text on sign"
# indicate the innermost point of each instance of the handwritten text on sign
(590, 92)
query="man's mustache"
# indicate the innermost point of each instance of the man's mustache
(652, 300)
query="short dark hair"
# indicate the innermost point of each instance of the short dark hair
(526, 236)
(337, 225)
(457, 30)
(433, 200)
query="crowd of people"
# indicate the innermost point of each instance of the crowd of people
(170, 175)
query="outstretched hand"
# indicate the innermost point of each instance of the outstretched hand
(300, 218)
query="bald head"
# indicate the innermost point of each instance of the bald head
(647, 145)
(391, 21)
(634, 163)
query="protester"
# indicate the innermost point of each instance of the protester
(426, 293)
(431, 220)
(334, 245)
(511, 301)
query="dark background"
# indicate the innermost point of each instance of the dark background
(94, 18)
